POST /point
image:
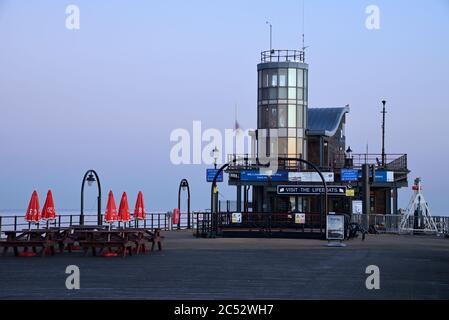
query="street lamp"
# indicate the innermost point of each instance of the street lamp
(90, 177)
(215, 155)
(184, 185)
(349, 158)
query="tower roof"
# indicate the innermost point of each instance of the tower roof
(325, 121)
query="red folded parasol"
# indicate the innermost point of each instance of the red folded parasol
(139, 211)
(49, 211)
(33, 213)
(111, 209)
(123, 211)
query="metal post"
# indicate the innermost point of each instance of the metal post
(99, 217)
(184, 184)
(366, 193)
(239, 199)
(383, 134)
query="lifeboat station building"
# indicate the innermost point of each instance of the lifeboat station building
(290, 199)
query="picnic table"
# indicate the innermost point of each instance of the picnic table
(36, 238)
(89, 238)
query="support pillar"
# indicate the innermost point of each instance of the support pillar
(395, 201)
(239, 198)
(366, 193)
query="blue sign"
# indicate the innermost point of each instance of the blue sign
(210, 175)
(355, 175)
(349, 175)
(256, 176)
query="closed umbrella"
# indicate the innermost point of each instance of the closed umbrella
(49, 211)
(123, 211)
(111, 209)
(33, 214)
(139, 210)
(110, 216)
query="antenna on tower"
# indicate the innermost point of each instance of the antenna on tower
(271, 36)
(304, 47)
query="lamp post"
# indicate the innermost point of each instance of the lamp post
(384, 160)
(349, 159)
(184, 185)
(91, 176)
(215, 155)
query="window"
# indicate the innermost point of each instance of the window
(273, 122)
(282, 147)
(291, 116)
(292, 146)
(282, 112)
(265, 94)
(282, 77)
(260, 79)
(300, 94)
(292, 77)
(273, 77)
(282, 93)
(273, 94)
(291, 93)
(265, 78)
(300, 146)
(306, 78)
(299, 116)
(263, 117)
(300, 78)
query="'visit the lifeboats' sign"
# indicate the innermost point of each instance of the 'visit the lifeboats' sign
(311, 190)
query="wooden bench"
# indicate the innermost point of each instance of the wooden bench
(122, 246)
(45, 245)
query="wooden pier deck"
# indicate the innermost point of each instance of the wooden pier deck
(190, 269)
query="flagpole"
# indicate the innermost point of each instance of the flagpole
(235, 129)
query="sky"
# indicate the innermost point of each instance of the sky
(108, 96)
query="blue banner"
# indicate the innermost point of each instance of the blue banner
(355, 175)
(256, 176)
(349, 175)
(210, 175)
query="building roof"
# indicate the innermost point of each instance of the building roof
(325, 121)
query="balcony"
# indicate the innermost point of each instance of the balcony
(394, 162)
(283, 56)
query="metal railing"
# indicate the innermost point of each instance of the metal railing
(153, 221)
(394, 162)
(267, 222)
(283, 56)
(388, 224)
(391, 223)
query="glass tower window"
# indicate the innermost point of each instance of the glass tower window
(292, 93)
(273, 122)
(292, 77)
(273, 77)
(292, 116)
(282, 116)
(282, 77)
(273, 94)
(282, 93)
(292, 146)
(265, 78)
(282, 146)
(300, 78)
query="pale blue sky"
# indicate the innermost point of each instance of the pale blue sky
(108, 96)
